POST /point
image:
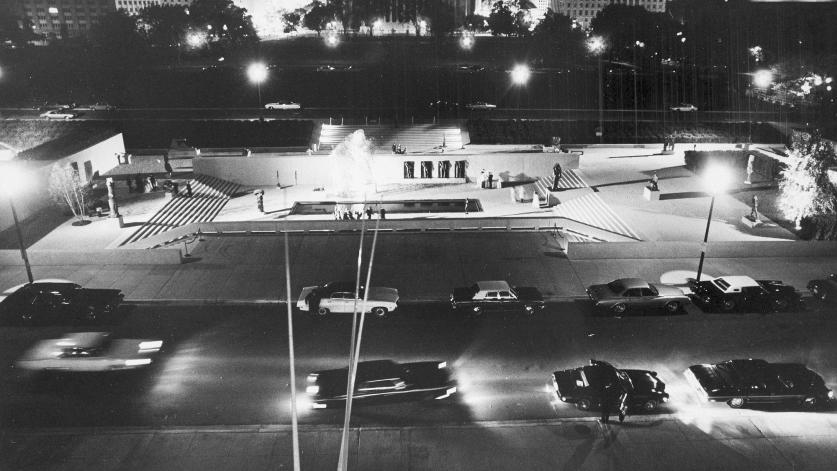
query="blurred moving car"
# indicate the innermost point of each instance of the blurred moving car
(754, 381)
(381, 381)
(283, 106)
(742, 293)
(46, 106)
(89, 352)
(63, 113)
(58, 302)
(333, 68)
(480, 105)
(96, 107)
(825, 289)
(624, 294)
(585, 386)
(339, 297)
(684, 107)
(498, 295)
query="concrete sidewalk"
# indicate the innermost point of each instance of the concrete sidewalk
(749, 441)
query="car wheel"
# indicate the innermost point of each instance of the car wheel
(728, 305)
(530, 310)
(650, 405)
(672, 307)
(477, 310)
(736, 402)
(379, 312)
(584, 404)
(619, 309)
(322, 312)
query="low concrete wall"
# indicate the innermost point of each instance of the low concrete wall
(722, 249)
(88, 257)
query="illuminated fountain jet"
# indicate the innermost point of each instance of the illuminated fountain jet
(352, 174)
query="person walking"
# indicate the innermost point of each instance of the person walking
(556, 171)
(623, 406)
(369, 212)
(467, 202)
(189, 189)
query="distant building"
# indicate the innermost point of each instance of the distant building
(133, 7)
(583, 11)
(64, 18)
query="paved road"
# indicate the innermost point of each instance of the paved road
(228, 365)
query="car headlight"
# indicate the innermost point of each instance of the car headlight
(312, 378)
(150, 345)
(312, 389)
(138, 362)
(442, 365)
(831, 394)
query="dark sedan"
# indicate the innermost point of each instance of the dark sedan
(584, 386)
(633, 294)
(753, 381)
(58, 302)
(825, 289)
(382, 381)
(743, 293)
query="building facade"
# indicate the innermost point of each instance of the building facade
(133, 7)
(583, 11)
(64, 18)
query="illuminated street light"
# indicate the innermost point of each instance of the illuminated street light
(332, 39)
(717, 180)
(466, 41)
(196, 39)
(520, 74)
(763, 78)
(596, 45)
(257, 72)
(14, 181)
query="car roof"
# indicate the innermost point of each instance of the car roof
(735, 283)
(496, 285)
(630, 283)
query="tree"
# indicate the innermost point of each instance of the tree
(164, 25)
(501, 20)
(805, 191)
(555, 37)
(441, 18)
(318, 17)
(474, 22)
(66, 188)
(292, 20)
(118, 40)
(225, 22)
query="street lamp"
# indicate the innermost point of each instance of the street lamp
(716, 180)
(596, 45)
(520, 74)
(763, 78)
(466, 42)
(257, 72)
(13, 180)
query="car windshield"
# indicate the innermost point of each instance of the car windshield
(616, 286)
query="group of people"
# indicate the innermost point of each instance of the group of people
(668, 142)
(148, 184)
(353, 213)
(399, 149)
(486, 179)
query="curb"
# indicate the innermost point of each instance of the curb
(248, 302)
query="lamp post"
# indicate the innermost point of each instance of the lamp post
(12, 178)
(257, 72)
(596, 46)
(716, 179)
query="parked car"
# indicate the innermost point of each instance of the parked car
(825, 289)
(47, 106)
(381, 381)
(633, 294)
(754, 381)
(63, 113)
(584, 386)
(684, 107)
(58, 302)
(283, 106)
(743, 293)
(89, 352)
(498, 295)
(339, 297)
(96, 107)
(480, 105)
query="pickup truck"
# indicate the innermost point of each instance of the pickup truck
(487, 296)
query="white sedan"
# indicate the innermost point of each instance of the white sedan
(283, 106)
(480, 105)
(59, 114)
(89, 352)
(322, 300)
(684, 107)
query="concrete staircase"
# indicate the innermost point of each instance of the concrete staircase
(209, 196)
(590, 209)
(416, 138)
(570, 180)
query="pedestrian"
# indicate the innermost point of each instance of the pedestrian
(153, 180)
(482, 178)
(189, 189)
(168, 168)
(369, 212)
(138, 181)
(557, 171)
(345, 215)
(383, 213)
(130, 183)
(394, 148)
(490, 180)
(175, 188)
(623, 406)
(654, 182)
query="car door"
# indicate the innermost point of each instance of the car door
(341, 302)
(633, 298)
(507, 301)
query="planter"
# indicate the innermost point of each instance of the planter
(650, 195)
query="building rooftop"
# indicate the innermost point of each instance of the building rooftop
(46, 141)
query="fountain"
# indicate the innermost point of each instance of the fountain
(352, 174)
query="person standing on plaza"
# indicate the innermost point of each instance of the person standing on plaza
(189, 189)
(482, 178)
(369, 212)
(490, 180)
(557, 171)
(383, 213)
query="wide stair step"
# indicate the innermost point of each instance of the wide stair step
(209, 196)
(590, 209)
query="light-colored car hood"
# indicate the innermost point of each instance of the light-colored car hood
(668, 290)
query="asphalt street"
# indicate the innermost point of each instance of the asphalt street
(228, 365)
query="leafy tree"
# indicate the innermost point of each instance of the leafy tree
(318, 16)
(474, 22)
(292, 20)
(501, 20)
(164, 25)
(225, 22)
(555, 37)
(441, 18)
(117, 39)
(66, 188)
(805, 191)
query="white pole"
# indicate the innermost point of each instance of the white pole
(294, 425)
